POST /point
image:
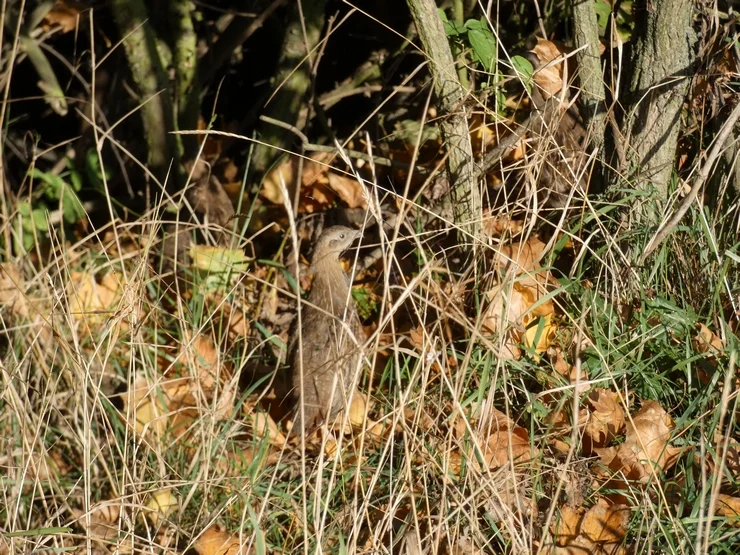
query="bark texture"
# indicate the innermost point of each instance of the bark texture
(586, 31)
(662, 59)
(466, 195)
(293, 79)
(151, 83)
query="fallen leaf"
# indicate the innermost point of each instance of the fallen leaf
(729, 507)
(161, 504)
(103, 522)
(604, 523)
(62, 15)
(12, 286)
(645, 447)
(707, 342)
(357, 410)
(349, 190)
(566, 524)
(505, 441)
(216, 541)
(521, 257)
(549, 76)
(264, 426)
(605, 418)
(93, 303)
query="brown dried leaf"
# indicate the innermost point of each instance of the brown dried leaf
(12, 287)
(645, 447)
(549, 76)
(63, 15)
(103, 520)
(606, 417)
(706, 341)
(216, 541)
(604, 523)
(505, 439)
(349, 190)
(521, 257)
(729, 507)
(565, 526)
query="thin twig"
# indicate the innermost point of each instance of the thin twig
(719, 144)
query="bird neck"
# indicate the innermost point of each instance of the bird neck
(330, 280)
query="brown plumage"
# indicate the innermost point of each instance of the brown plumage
(325, 355)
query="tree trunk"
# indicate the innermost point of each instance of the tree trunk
(662, 57)
(466, 195)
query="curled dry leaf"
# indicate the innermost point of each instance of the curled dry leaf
(599, 531)
(210, 377)
(729, 507)
(565, 526)
(264, 426)
(707, 342)
(348, 189)
(505, 441)
(511, 305)
(161, 505)
(217, 541)
(92, 303)
(320, 186)
(645, 447)
(103, 520)
(154, 410)
(549, 75)
(500, 225)
(12, 286)
(357, 409)
(605, 523)
(521, 257)
(605, 418)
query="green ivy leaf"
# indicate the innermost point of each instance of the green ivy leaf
(54, 184)
(38, 215)
(73, 211)
(484, 46)
(95, 173)
(524, 68)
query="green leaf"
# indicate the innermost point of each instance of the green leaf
(38, 532)
(524, 68)
(24, 208)
(38, 216)
(74, 176)
(484, 47)
(54, 184)
(95, 173)
(72, 208)
(452, 28)
(603, 10)
(259, 536)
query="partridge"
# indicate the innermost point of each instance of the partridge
(324, 352)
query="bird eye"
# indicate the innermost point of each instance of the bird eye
(341, 235)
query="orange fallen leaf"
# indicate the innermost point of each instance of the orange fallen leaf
(549, 76)
(729, 507)
(605, 418)
(645, 448)
(348, 189)
(604, 523)
(216, 541)
(505, 441)
(565, 526)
